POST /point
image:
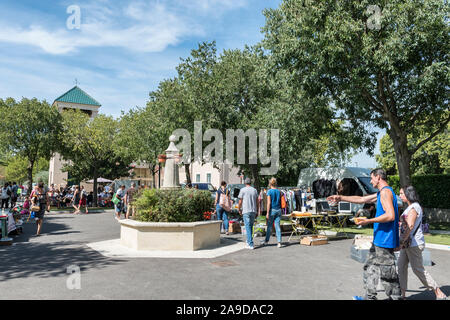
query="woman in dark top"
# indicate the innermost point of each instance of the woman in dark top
(76, 200)
(221, 213)
(40, 198)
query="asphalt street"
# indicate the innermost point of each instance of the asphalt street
(37, 267)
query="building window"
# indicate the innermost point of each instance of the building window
(197, 177)
(208, 177)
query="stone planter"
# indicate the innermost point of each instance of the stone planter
(176, 236)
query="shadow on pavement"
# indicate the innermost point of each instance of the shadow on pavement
(31, 256)
(49, 227)
(427, 294)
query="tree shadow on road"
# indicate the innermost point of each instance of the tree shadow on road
(31, 256)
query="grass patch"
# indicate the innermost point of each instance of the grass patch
(440, 226)
(429, 238)
(438, 239)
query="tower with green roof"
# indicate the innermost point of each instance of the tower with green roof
(75, 98)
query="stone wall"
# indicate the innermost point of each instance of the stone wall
(437, 215)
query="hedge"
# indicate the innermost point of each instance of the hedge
(433, 189)
(186, 205)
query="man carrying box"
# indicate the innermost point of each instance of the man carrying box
(381, 261)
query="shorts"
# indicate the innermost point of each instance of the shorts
(82, 202)
(120, 207)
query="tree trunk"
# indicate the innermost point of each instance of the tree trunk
(188, 173)
(403, 156)
(95, 199)
(30, 176)
(255, 176)
(153, 171)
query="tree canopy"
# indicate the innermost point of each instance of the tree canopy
(88, 147)
(30, 129)
(388, 68)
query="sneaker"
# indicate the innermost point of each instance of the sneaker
(247, 246)
(263, 243)
(279, 245)
(357, 298)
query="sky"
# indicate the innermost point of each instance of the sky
(117, 50)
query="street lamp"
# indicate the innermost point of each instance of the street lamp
(161, 159)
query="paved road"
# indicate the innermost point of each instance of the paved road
(36, 268)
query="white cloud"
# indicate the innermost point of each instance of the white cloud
(136, 27)
(213, 6)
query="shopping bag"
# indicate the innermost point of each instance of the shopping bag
(115, 200)
(225, 202)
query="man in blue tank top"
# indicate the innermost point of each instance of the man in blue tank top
(381, 261)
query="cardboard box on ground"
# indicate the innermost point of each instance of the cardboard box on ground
(314, 240)
(234, 227)
(359, 251)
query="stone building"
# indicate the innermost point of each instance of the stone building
(75, 98)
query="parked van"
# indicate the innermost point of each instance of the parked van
(347, 181)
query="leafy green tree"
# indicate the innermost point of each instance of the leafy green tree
(89, 148)
(431, 158)
(236, 90)
(387, 68)
(140, 139)
(255, 98)
(16, 168)
(30, 129)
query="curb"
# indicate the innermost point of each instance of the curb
(437, 246)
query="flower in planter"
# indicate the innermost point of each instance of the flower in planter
(207, 215)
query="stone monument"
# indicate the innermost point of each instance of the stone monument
(171, 175)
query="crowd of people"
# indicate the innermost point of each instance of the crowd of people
(77, 197)
(9, 194)
(393, 231)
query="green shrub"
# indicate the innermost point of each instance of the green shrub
(188, 205)
(433, 189)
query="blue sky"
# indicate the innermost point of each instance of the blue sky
(123, 48)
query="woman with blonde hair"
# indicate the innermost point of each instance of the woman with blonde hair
(273, 211)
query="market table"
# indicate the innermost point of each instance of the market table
(298, 218)
(341, 219)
